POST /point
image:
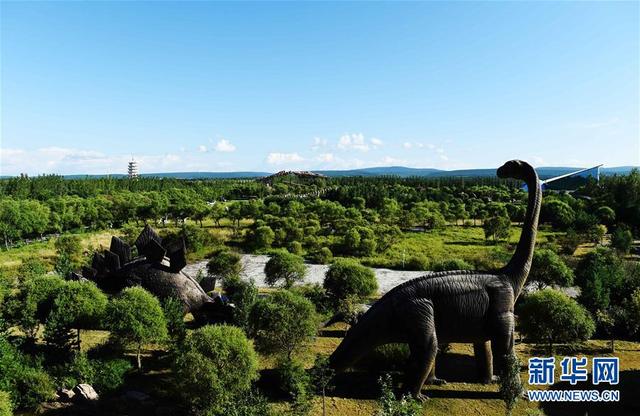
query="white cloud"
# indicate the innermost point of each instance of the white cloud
(407, 145)
(325, 157)
(225, 146)
(202, 148)
(375, 142)
(353, 141)
(319, 143)
(282, 158)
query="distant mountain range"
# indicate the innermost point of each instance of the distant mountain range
(400, 171)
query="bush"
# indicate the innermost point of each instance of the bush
(283, 323)
(215, 367)
(510, 384)
(390, 406)
(453, 264)
(136, 317)
(263, 237)
(316, 294)
(622, 239)
(110, 374)
(32, 267)
(600, 275)
(6, 407)
(547, 268)
(293, 380)
(286, 268)
(295, 247)
(243, 294)
(418, 262)
(347, 277)
(33, 386)
(173, 310)
(224, 264)
(549, 316)
(322, 256)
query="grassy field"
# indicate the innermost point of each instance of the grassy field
(453, 242)
(355, 391)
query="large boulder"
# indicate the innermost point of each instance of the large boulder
(84, 392)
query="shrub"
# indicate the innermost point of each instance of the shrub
(224, 263)
(322, 256)
(316, 294)
(6, 407)
(622, 239)
(390, 406)
(548, 269)
(293, 380)
(549, 316)
(600, 275)
(110, 374)
(632, 307)
(286, 268)
(173, 310)
(215, 367)
(418, 262)
(33, 386)
(453, 264)
(510, 384)
(349, 278)
(32, 267)
(263, 237)
(283, 323)
(295, 247)
(136, 317)
(243, 294)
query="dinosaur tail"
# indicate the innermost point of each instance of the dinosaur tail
(370, 331)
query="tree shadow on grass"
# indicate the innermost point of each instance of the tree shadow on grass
(629, 404)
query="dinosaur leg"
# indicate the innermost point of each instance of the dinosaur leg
(484, 361)
(432, 379)
(423, 345)
(502, 342)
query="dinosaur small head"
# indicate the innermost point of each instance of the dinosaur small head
(515, 169)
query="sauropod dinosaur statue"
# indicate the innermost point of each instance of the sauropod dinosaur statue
(464, 306)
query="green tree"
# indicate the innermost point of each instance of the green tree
(32, 267)
(215, 368)
(496, 227)
(136, 317)
(69, 253)
(347, 277)
(547, 268)
(243, 294)
(284, 267)
(77, 305)
(558, 213)
(35, 301)
(549, 317)
(622, 239)
(283, 323)
(173, 310)
(224, 264)
(600, 275)
(263, 237)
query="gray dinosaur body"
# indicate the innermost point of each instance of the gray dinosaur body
(453, 306)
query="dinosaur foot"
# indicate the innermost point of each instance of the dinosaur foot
(436, 381)
(493, 379)
(420, 397)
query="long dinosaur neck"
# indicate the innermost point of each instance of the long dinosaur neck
(518, 267)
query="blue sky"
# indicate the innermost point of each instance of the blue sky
(203, 86)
